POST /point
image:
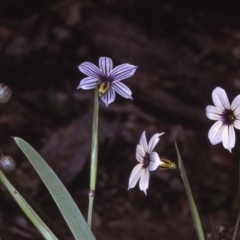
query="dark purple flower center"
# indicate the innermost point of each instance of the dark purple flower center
(146, 160)
(105, 78)
(228, 117)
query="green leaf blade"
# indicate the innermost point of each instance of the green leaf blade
(29, 212)
(193, 208)
(238, 218)
(64, 201)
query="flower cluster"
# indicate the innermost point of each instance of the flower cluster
(107, 80)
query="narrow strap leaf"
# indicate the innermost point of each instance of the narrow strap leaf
(238, 218)
(64, 201)
(29, 212)
(194, 211)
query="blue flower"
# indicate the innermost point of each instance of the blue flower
(107, 79)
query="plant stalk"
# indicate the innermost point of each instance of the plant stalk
(94, 158)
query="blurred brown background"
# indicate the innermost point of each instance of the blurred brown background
(183, 50)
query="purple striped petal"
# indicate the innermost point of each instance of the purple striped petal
(122, 90)
(88, 83)
(109, 96)
(90, 70)
(106, 65)
(122, 71)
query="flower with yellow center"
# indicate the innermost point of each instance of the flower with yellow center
(107, 79)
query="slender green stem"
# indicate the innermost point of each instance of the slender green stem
(30, 213)
(94, 157)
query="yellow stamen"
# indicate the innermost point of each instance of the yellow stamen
(103, 88)
(167, 164)
(231, 117)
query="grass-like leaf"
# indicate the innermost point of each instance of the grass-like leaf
(29, 212)
(194, 211)
(64, 201)
(236, 226)
(213, 227)
(238, 218)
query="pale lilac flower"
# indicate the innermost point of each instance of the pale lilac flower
(227, 117)
(148, 161)
(107, 79)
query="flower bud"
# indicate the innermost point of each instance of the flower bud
(7, 164)
(5, 93)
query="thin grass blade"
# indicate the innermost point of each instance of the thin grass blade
(61, 196)
(213, 227)
(236, 227)
(29, 212)
(238, 218)
(194, 211)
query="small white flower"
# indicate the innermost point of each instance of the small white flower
(107, 79)
(148, 161)
(227, 117)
